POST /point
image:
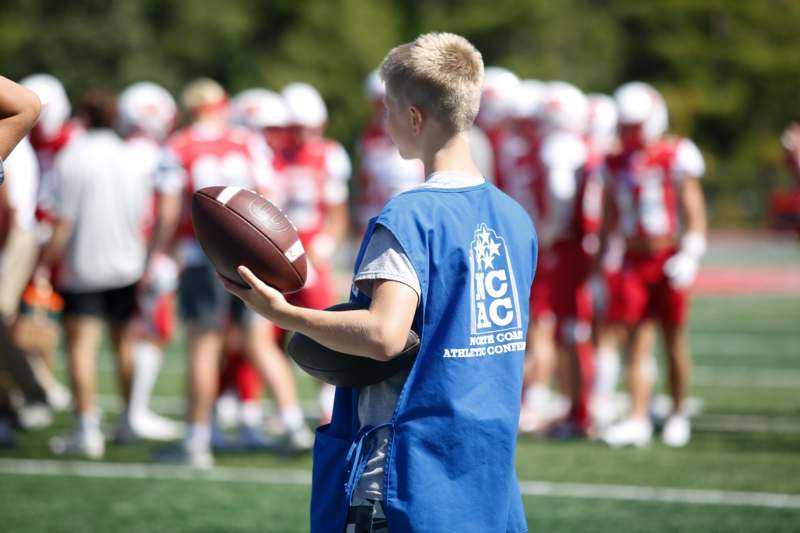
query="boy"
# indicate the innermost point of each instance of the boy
(430, 449)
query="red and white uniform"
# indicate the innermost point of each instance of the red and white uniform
(645, 191)
(156, 308)
(47, 149)
(206, 155)
(383, 174)
(314, 176)
(557, 183)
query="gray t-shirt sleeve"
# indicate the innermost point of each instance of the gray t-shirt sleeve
(385, 259)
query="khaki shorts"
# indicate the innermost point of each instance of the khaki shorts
(16, 266)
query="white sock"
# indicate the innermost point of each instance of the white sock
(251, 414)
(292, 417)
(606, 372)
(537, 397)
(89, 422)
(147, 363)
(198, 436)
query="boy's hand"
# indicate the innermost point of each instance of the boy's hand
(260, 297)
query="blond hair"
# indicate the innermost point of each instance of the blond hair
(202, 92)
(441, 73)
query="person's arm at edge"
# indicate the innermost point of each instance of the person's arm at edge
(19, 110)
(379, 332)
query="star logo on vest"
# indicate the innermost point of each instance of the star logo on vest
(493, 290)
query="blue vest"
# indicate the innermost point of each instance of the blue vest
(450, 458)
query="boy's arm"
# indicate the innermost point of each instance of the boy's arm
(379, 332)
(19, 109)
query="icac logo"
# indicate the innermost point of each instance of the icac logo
(493, 289)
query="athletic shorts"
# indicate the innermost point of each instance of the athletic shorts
(203, 300)
(542, 288)
(560, 289)
(571, 297)
(116, 305)
(615, 299)
(644, 291)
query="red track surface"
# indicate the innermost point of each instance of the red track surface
(721, 281)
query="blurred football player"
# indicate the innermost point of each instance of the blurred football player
(52, 133)
(315, 172)
(18, 253)
(264, 112)
(655, 197)
(498, 101)
(601, 136)
(147, 114)
(566, 207)
(382, 172)
(211, 152)
(785, 202)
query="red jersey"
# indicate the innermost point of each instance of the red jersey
(644, 186)
(383, 173)
(557, 182)
(47, 149)
(313, 176)
(205, 155)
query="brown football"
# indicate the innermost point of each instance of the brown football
(235, 227)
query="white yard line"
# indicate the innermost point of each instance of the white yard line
(658, 494)
(270, 476)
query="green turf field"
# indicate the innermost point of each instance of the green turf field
(741, 471)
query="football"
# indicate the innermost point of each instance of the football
(345, 370)
(235, 226)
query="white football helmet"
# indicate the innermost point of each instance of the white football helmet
(305, 104)
(56, 108)
(639, 103)
(374, 87)
(530, 97)
(498, 96)
(565, 108)
(146, 107)
(601, 120)
(258, 109)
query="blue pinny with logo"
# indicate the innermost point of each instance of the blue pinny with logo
(450, 458)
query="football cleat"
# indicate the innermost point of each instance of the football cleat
(80, 443)
(677, 431)
(184, 454)
(630, 432)
(148, 425)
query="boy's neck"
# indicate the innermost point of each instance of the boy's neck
(452, 155)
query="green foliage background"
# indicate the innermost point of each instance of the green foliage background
(729, 69)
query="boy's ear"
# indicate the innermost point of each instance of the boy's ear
(416, 119)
